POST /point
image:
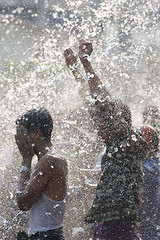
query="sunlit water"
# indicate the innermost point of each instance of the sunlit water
(125, 36)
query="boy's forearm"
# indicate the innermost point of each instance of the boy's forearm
(22, 191)
(23, 180)
(78, 76)
(25, 172)
(83, 88)
(93, 79)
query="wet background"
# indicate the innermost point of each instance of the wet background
(33, 34)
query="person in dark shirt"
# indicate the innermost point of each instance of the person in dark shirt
(150, 226)
(116, 207)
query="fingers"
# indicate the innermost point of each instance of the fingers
(70, 56)
(21, 132)
(18, 135)
(17, 139)
(22, 135)
(85, 49)
(83, 44)
(68, 51)
(82, 40)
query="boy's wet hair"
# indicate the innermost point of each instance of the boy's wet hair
(37, 119)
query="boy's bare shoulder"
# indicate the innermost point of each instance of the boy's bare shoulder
(53, 159)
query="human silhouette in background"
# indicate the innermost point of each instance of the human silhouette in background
(116, 207)
(43, 191)
(150, 226)
(151, 117)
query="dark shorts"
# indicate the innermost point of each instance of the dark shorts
(116, 230)
(55, 234)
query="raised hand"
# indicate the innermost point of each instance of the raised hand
(71, 58)
(85, 49)
(71, 61)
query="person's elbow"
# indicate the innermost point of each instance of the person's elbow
(23, 204)
(23, 207)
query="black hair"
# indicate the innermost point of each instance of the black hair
(115, 109)
(37, 119)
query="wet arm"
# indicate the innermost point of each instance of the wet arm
(31, 187)
(71, 61)
(85, 50)
(24, 180)
(24, 175)
(112, 113)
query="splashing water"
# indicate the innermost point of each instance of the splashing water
(33, 73)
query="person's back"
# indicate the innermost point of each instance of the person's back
(117, 199)
(119, 190)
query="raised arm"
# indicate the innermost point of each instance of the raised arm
(116, 114)
(71, 61)
(85, 50)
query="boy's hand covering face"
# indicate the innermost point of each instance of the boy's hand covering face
(23, 141)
